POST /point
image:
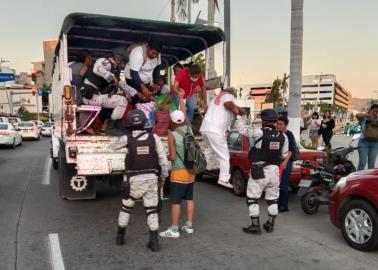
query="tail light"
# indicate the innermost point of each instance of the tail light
(4, 133)
(67, 92)
(72, 152)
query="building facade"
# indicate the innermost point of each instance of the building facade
(316, 89)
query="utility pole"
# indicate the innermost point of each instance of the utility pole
(210, 51)
(189, 11)
(227, 30)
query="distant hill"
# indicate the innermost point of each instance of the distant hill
(360, 103)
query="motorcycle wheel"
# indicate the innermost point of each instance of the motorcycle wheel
(308, 204)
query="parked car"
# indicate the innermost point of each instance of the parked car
(29, 130)
(47, 128)
(353, 208)
(239, 146)
(9, 135)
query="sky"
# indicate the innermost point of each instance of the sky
(340, 36)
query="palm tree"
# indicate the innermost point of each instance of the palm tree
(275, 96)
(296, 50)
(182, 9)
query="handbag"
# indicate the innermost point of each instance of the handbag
(371, 131)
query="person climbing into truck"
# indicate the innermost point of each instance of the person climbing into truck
(142, 71)
(101, 84)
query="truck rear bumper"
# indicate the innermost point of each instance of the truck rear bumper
(100, 164)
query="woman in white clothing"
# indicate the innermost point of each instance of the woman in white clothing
(314, 126)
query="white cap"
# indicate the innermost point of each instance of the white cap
(177, 117)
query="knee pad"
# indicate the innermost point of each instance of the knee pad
(127, 205)
(151, 210)
(272, 207)
(251, 201)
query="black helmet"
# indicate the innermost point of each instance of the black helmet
(120, 53)
(269, 115)
(136, 118)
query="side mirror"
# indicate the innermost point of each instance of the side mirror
(321, 148)
(356, 136)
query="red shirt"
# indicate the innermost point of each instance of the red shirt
(183, 79)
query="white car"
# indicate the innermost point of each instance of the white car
(39, 123)
(47, 129)
(29, 130)
(14, 120)
(4, 119)
(9, 135)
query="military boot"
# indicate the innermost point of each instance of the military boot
(254, 228)
(269, 224)
(153, 243)
(120, 236)
(113, 129)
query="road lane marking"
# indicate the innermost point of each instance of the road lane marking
(56, 258)
(47, 172)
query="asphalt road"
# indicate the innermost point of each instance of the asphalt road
(32, 214)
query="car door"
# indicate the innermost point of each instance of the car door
(234, 142)
(17, 134)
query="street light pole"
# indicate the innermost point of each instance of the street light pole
(227, 30)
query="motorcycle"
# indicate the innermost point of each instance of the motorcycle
(319, 181)
(315, 190)
(338, 158)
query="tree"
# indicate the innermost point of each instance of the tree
(284, 87)
(24, 114)
(183, 11)
(201, 61)
(296, 54)
(275, 96)
(308, 107)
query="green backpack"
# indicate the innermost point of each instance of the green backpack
(194, 157)
(371, 131)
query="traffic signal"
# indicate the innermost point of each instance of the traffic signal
(34, 91)
(34, 76)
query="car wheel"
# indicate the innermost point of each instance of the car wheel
(359, 225)
(55, 163)
(13, 145)
(239, 183)
(308, 204)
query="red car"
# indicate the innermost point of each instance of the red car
(353, 208)
(239, 146)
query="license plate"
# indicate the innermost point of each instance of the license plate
(305, 183)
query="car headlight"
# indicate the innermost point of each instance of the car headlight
(341, 183)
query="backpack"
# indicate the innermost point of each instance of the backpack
(135, 45)
(194, 157)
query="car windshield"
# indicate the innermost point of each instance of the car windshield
(48, 124)
(3, 126)
(26, 124)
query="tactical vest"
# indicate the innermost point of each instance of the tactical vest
(142, 157)
(270, 152)
(98, 81)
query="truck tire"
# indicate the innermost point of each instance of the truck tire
(239, 183)
(357, 214)
(67, 175)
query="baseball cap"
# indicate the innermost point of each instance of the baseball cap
(177, 117)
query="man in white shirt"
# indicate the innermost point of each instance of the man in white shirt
(217, 121)
(143, 69)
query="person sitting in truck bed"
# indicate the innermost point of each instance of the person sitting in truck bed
(143, 69)
(101, 84)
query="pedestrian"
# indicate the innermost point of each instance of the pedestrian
(184, 87)
(314, 123)
(101, 84)
(182, 179)
(269, 151)
(327, 126)
(214, 126)
(146, 162)
(287, 164)
(177, 68)
(368, 143)
(142, 72)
